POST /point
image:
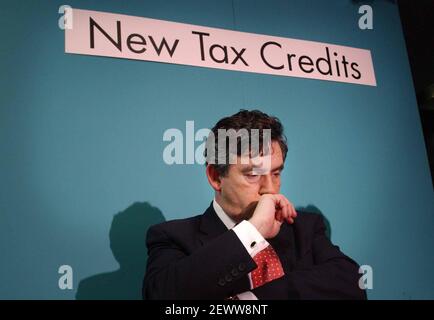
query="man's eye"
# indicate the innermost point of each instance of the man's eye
(253, 177)
(277, 174)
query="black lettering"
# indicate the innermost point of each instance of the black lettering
(239, 56)
(225, 53)
(337, 64)
(163, 43)
(309, 63)
(290, 56)
(345, 62)
(202, 50)
(329, 72)
(354, 69)
(263, 57)
(92, 24)
(130, 41)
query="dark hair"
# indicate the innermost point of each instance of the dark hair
(245, 119)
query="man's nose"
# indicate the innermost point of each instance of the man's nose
(267, 186)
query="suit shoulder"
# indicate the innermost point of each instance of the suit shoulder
(308, 218)
(177, 224)
(308, 215)
(179, 232)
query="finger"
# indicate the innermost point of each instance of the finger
(278, 214)
(292, 210)
(290, 218)
(279, 203)
(288, 210)
(284, 212)
(286, 205)
(282, 202)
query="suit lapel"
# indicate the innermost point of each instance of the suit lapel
(210, 225)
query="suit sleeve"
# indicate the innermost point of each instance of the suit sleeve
(332, 275)
(216, 270)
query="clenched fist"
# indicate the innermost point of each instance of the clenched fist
(271, 211)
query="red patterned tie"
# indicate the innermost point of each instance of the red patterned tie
(269, 267)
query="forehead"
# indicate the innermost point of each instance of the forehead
(262, 164)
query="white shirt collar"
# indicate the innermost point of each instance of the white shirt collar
(228, 222)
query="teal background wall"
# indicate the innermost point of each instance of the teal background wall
(81, 168)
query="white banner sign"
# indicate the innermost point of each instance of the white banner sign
(122, 36)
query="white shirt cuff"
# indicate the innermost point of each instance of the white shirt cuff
(250, 237)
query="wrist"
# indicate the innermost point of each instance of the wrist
(257, 225)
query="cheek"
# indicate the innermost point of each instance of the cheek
(251, 190)
(277, 181)
(276, 184)
(230, 188)
(245, 189)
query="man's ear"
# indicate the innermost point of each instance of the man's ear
(213, 177)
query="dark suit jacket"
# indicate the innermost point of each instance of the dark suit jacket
(198, 258)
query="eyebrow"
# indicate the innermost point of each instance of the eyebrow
(280, 168)
(250, 168)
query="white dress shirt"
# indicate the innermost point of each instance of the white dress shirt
(249, 236)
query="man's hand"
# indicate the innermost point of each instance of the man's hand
(271, 211)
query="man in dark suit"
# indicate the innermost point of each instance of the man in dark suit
(250, 243)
